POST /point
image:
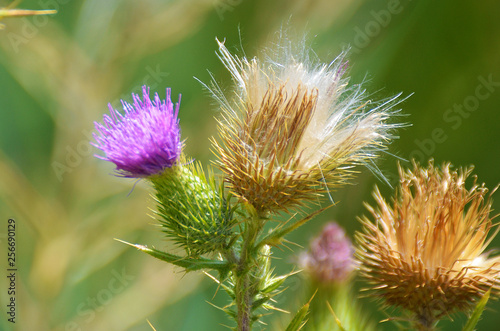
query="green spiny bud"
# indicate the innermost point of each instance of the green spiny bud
(192, 208)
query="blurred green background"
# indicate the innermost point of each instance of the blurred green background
(57, 74)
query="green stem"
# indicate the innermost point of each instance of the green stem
(243, 301)
(245, 285)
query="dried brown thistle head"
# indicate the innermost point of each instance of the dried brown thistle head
(295, 129)
(425, 251)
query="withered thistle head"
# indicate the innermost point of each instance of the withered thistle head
(425, 251)
(294, 128)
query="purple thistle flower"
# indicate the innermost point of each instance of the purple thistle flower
(145, 140)
(330, 256)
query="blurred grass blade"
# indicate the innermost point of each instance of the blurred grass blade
(151, 325)
(24, 12)
(476, 314)
(9, 11)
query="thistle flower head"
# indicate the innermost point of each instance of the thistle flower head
(425, 251)
(294, 128)
(143, 141)
(329, 259)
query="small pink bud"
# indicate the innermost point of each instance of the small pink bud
(330, 256)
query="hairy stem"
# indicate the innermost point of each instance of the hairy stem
(243, 301)
(246, 285)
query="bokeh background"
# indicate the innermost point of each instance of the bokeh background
(57, 74)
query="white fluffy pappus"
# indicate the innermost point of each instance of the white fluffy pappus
(343, 118)
(293, 122)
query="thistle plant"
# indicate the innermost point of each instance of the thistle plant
(291, 131)
(426, 251)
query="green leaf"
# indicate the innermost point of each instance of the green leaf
(273, 283)
(228, 289)
(298, 320)
(476, 314)
(276, 235)
(188, 263)
(259, 302)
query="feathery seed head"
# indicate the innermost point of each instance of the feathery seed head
(425, 251)
(295, 129)
(145, 140)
